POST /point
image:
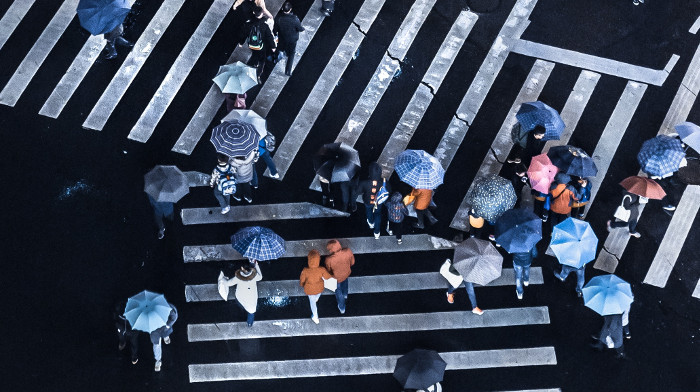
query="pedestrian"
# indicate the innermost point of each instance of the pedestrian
(260, 40)
(163, 333)
(338, 263)
(247, 6)
(327, 7)
(125, 333)
(162, 210)
(287, 28)
(264, 153)
(561, 197)
(311, 279)
(246, 281)
(454, 281)
(115, 38)
(421, 200)
(396, 213)
(521, 266)
(375, 191)
(583, 191)
(534, 144)
(519, 179)
(580, 276)
(235, 101)
(670, 185)
(223, 182)
(627, 214)
(610, 336)
(347, 195)
(244, 174)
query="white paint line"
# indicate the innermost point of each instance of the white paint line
(695, 27)
(12, 17)
(355, 366)
(359, 245)
(594, 63)
(358, 285)
(258, 213)
(502, 144)
(37, 54)
(195, 178)
(696, 292)
(132, 65)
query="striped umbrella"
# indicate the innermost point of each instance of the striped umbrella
(607, 294)
(419, 169)
(235, 138)
(532, 114)
(236, 78)
(690, 134)
(661, 156)
(491, 196)
(478, 261)
(259, 243)
(248, 116)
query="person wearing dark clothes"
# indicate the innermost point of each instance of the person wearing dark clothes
(369, 189)
(162, 209)
(611, 335)
(346, 193)
(327, 7)
(631, 203)
(670, 185)
(583, 190)
(396, 212)
(258, 56)
(115, 38)
(287, 28)
(125, 333)
(533, 146)
(521, 267)
(519, 179)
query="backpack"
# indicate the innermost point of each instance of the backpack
(270, 142)
(227, 184)
(382, 194)
(255, 37)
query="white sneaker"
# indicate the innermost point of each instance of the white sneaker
(520, 295)
(225, 210)
(166, 340)
(370, 224)
(526, 283)
(157, 367)
(376, 236)
(315, 320)
(275, 176)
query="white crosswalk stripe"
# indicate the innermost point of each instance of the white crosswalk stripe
(261, 212)
(12, 17)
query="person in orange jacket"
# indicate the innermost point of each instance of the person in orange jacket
(338, 263)
(311, 280)
(422, 202)
(561, 197)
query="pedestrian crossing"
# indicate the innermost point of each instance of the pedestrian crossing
(12, 17)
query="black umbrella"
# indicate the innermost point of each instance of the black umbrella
(573, 161)
(166, 184)
(420, 369)
(336, 162)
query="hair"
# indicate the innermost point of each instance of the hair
(287, 7)
(221, 157)
(539, 130)
(520, 168)
(257, 11)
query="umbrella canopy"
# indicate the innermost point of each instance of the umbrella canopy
(419, 369)
(478, 261)
(235, 138)
(236, 78)
(102, 16)
(419, 169)
(258, 243)
(337, 162)
(491, 196)
(166, 184)
(690, 134)
(250, 117)
(643, 186)
(147, 311)
(541, 173)
(573, 161)
(607, 294)
(532, 114)
(574, 242)
(517, 231)
(661, 156)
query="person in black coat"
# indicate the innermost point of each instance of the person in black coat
(125, 333)
(610, 335)
(534, 144)
(257, 58)
(369, 189)
(287, 28)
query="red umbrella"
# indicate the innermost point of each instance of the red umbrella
(643, 186)
(541, 173)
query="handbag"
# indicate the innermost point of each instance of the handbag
(408, 199)
(454, 280)
(621, 213)
(331, 284)
(222, 286)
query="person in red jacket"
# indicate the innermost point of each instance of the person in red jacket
(311, 280)
(338, 263)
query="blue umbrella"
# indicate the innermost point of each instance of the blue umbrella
(517, 231)
(419, 169)
(102, 16)
(690, 134)
(258, 243)
(574, 242)
(491, 196)
(661, 156)
(607, 294)
(235, 138)
(573, 161)
(532, 114)
(147, 311)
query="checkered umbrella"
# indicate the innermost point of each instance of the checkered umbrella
(572, 161)
(532, 114)
(661, 156)
(166, 184)
(236, 78)
(478, 261)
(258, 243)
(248, 116)
(491, 196)
(690, 134)
(419, 169)
(574, 242)
(235, 138)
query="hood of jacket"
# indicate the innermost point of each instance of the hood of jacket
(314, 259)
(375, 171)
(562, 178)
(333, 246)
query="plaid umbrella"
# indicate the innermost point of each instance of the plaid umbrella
(419, 369)
(517, 231)
(491, 196)
(573, 161)
(102, 16)
(478, 261)
(541, 173)
(661, 156)
(258, 243)
(690, 134)
(607, 294)
(250, 117)
(166, 184)
(643, 186)
(419, 169)
(337, 162)
(532, 114)
(235, 138)
(574, 242)
(147, 311)
(236, 78)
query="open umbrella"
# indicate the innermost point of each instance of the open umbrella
(541, 173)
(643, 186)
(419, 169)
(690, 134)
(532, 114)
(336, 162)
(491, 196)
(517, 231)
(258, 243)
(236, 78)
(607, 294)
(574, 242)
(661, 156)
(235, 138)
(690, 173)
(419, 369)
(477, 261)
(102, 16)
(166, 184)
(572, 161)
(147, 311)
(250, 117)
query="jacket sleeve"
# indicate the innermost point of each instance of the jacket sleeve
(214, 178)
(352, 257)
(297, 24)
(173, 316)
(268, 38)
(326, 274)
(302, 278)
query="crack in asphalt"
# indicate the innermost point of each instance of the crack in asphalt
(432, 91)
(359, 28)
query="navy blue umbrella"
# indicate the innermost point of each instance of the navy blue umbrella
(102, 16)
(532, 114)
(258, 243)
(235, 138)
(517, 231)
(661, 156)
(419, 369)
(572, 161)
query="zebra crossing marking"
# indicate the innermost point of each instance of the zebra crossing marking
(695, 27)
(131, 66)
(38, 53)
(354, 366)
(696, 292)
(261, 212)
(12, 17)
(502, 143)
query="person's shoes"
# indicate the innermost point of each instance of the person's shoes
(544, 218)
(581, 216)
(596, 346)
(370, 224)
(276, 175)
(390, 232)
(433, 220)
(635, 234)
(342, 311)
(315, 320)
(514, 160)
(579, 294)
(123, 42)
(627, 334)
(398, 241)
(326, 12)
(556, 275)
(255, 187)
(161, 233)
(450, 298)
(112, 52)
(669, 207)
(121, 346)
(236, 198)
(166, 340)
(635, 2)
(157, 367)
(477, 311)
(134, 361)
(668, 212)
(526, 283)
(418, 226)
(520, 295)
(388, 229)
(225, 210)
(607, 226)
(331, 203)
(287, 73)
(250, 324)
(248, 199)
(376, 236)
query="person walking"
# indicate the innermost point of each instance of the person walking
(560, 199)
(583, 191)
(222, 178)
(260, 40)
(347, 196)
(115, 38)
(521, 266)
(396, 213)
(311, 279)
(477, 226)
(246, 281)
(454, 282)
(519, 180)
(422, 198)
(162, 210)
(670, 185)
(580, 276)
(338, 263)
(370, 190)
(244, 174)
(246, 7)
(125, 333)
(327, 7)
(264, 153)
(163, 334)
(610, 336)
(287, 28)
(627, 214)
(534, 144)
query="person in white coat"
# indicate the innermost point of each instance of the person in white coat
(245, 280)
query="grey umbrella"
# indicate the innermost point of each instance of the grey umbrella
(166, 184)
(478, 261)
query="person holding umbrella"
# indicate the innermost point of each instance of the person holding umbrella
(288, 27)
(375, 191)
(423, 172)
(610, 297)
(518, 232)
(528, 145)
(105, 17)
(660, 158)
(638, 191)
(560, 199)
(151, 312)
(490, 197)
(223, 182)
(165, 186)
(420, 370)
(456, 280)
(336, 165)
(311, 279)
(245, 280)
(574, 244)
(125, 333)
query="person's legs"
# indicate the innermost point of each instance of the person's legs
(250, 319)
(345, 191)
(326, 194)
(419, 215)
(340, 295)
(580, 280)
(471, 294)
(518, 279)
(312, 302)
(159, 220)
(290, 51)
(565, 271)
(134, 345)
(224, 200)
(369, 214)
(246, 191)
(614, 223)
(254, 182)
(432, 219)
(267, 158)
(397, 229)
(377, 217)
(526, 275)
(158, 350)
(634, 218)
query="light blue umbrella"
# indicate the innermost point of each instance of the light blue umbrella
(574, 242)
(102, 16)
(690, 134)
(661, 156)
(258, 243)
(147, 311)
(607, 294)
(419, 169)
(236, 78)
(532, 114)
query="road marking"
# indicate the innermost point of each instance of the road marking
(195, 178)
(575, 104)
(12, 17)
(317, 98)
(257, 213)
(696, 292)
(355, 366)
(594, 63)
(695, 27)
(38, 53)
(502, 144)
(359, 285)
(132, 65)
(359, 245)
